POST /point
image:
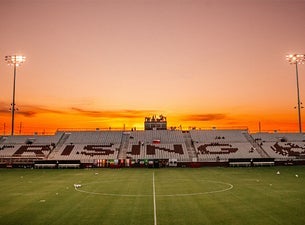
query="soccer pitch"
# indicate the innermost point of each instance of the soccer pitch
(153, 196)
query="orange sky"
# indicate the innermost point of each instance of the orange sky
(106, 63)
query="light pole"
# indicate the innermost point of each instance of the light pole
(297, 59)
(14, 60)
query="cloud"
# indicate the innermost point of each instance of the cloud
(35, 110)
(204, 117)
(26, 113)
(4, 110)
(29, 110)
(42, 109)
(114, 113)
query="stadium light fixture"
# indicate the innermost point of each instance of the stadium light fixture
(297, 59)
(14, 60)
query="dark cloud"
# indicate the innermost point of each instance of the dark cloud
(29, 110)
(27, 113)
(204, 117)
(114, 113)
(4, 110)
(34, 110)
(41, 109)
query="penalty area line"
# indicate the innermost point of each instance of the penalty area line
(154, 200)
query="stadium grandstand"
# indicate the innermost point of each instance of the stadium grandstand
(152, 148)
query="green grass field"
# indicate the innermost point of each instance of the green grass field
(153, 196)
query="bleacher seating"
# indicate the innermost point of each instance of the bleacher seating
(31, 139)
(157, 144)
(89, 146)
(27, 146)
(204, 145)
(222, 145)
(95, 137)
(37, 150)
(282, 145)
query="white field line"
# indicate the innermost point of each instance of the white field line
(154, 198)
(229, 187)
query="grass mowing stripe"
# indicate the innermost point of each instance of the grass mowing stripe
(154, 197)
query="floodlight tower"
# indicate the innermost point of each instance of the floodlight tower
(297, 59)
(14, 60)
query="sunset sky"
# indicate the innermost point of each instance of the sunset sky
(106, 63)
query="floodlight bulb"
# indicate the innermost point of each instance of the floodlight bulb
(14, 59)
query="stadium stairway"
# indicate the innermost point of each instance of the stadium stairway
(190, 146)
(124, 146)
(2, 139)
(58, 146)
(258, 148)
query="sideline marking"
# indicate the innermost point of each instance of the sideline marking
(154, 197)
(230, 186)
